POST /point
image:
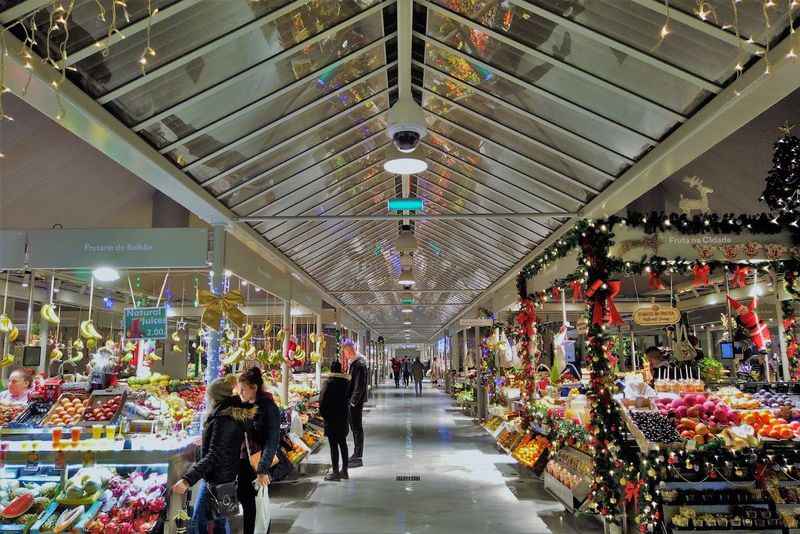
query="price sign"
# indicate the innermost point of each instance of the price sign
(655, 315)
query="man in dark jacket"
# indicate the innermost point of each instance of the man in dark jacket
(333, 407)
(357, 393)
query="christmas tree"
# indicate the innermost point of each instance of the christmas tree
(782, 192)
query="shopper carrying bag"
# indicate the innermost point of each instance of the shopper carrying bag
(333, 407)
(261, 443)
(217, 470)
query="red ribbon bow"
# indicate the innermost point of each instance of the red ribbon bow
(577, 290)
(739, 278)
(701, 273)
(632, 490)
(654, 280)
(555, 293)
(789, 322)
(526, 317)
(604, 310)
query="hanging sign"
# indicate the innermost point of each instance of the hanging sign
(146, 323)
(12, 249)
(655, 315)
(147, 248)
(469, 323)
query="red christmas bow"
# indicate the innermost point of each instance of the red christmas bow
(701, 273)
(654, 280)
(526, 317)
(577, 290)
(604, 309)
(789, 322)
(555, 292)
(632, 491)
(739, 278)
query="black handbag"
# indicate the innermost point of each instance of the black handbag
(224, 500)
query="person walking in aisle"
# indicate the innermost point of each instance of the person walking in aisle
(357, 395)
(263, 437)
(396, 370)
(223, 432)
(418, 372)
(333, 407)
(406, 372)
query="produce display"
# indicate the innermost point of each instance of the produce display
(569, 469)
(86, 483)
(68, 410)
(195, 397)
(530, 449)
(508, 439)
(131, 504)
(10, 411)
(311, 438)
(493, 423)
(741, 518)
(655, 426)
(21, 502)
(103, 409)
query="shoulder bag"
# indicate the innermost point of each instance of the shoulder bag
(224, 499)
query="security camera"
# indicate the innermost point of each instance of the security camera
(406, 124)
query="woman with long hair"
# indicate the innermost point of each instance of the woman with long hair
(333, 406)
(263, 436)
(223, 432)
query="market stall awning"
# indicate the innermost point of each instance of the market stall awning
(279, 108)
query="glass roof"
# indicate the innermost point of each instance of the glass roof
(279, 108)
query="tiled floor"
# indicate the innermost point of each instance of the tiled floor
(466, 486)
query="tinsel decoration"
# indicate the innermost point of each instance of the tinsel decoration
(782, 191)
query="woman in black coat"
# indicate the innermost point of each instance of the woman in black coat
(223, 432)
(263, 435)
(333, 406)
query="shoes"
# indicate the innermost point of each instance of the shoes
(334, 476)
(355, 462)
(344, 476)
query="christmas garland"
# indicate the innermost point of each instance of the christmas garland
(790, 328)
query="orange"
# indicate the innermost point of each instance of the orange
(749, 419)
(774, 433)
(786, 434)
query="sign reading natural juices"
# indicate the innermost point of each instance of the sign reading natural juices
(146, 323)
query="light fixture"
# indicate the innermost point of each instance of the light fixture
(406, 323)
(407, 278)
(56, 286)
(403, 163)
(405, 204)
(406, 242)
(106, 274)
(407, 310)
(26, 280)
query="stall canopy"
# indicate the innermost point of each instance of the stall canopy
(280, 108)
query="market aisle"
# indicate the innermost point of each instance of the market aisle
(465, 486)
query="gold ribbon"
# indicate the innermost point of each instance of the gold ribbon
(215, 307)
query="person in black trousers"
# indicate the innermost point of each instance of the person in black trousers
(263, 435)
(357, 394)
(333, 406)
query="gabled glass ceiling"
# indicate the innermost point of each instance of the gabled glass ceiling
(279, 108)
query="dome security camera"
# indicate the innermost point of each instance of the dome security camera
(406, 125)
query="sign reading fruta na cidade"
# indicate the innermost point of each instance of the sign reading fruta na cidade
(655, 315)
(146, 323)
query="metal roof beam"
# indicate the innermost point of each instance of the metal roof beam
(578, 73)
(700, 25)
(742, 101)
(159, 15)
(23, 8)
(253, 25)
(526, 114)
(535, 89)
(249, 108)
(453, 216)
(296, 174)
(619, 46)
(525, 191)
(293, 139)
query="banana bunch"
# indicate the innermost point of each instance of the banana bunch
(315, 357)
(267, 327)
(263, 357)
(275, 358)
(75, 359)
(7, 360)
(130, 346)
(230, 335)
(56, 355)
(88, 331)
(127, 358)
(151, 358)
(48, 313)
(5, 324)
(248, 333)
(312, 337)
(176, 342)
(77, 344)
(281, 335)
(234, 357)
(13, 335)
(300, 355)
(250, 351)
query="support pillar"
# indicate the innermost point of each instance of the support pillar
(285, 369)
(318, 365)
(482, 393)
(215, 281)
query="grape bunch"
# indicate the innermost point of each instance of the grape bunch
(655, 427)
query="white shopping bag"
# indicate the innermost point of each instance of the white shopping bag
(262, 511)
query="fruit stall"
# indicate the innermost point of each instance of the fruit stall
(684, 412)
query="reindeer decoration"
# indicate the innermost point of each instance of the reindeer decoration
(687, 205)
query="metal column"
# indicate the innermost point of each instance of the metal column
(318, 365)
(785, 374)
(215, 282)
(285, 369)
(482, 393)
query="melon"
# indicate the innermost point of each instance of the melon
(68, 518)
(18, 506)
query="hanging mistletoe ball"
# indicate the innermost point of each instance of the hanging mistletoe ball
(782, 192)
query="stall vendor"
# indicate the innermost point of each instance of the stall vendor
(655, 361)
(19, 385)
